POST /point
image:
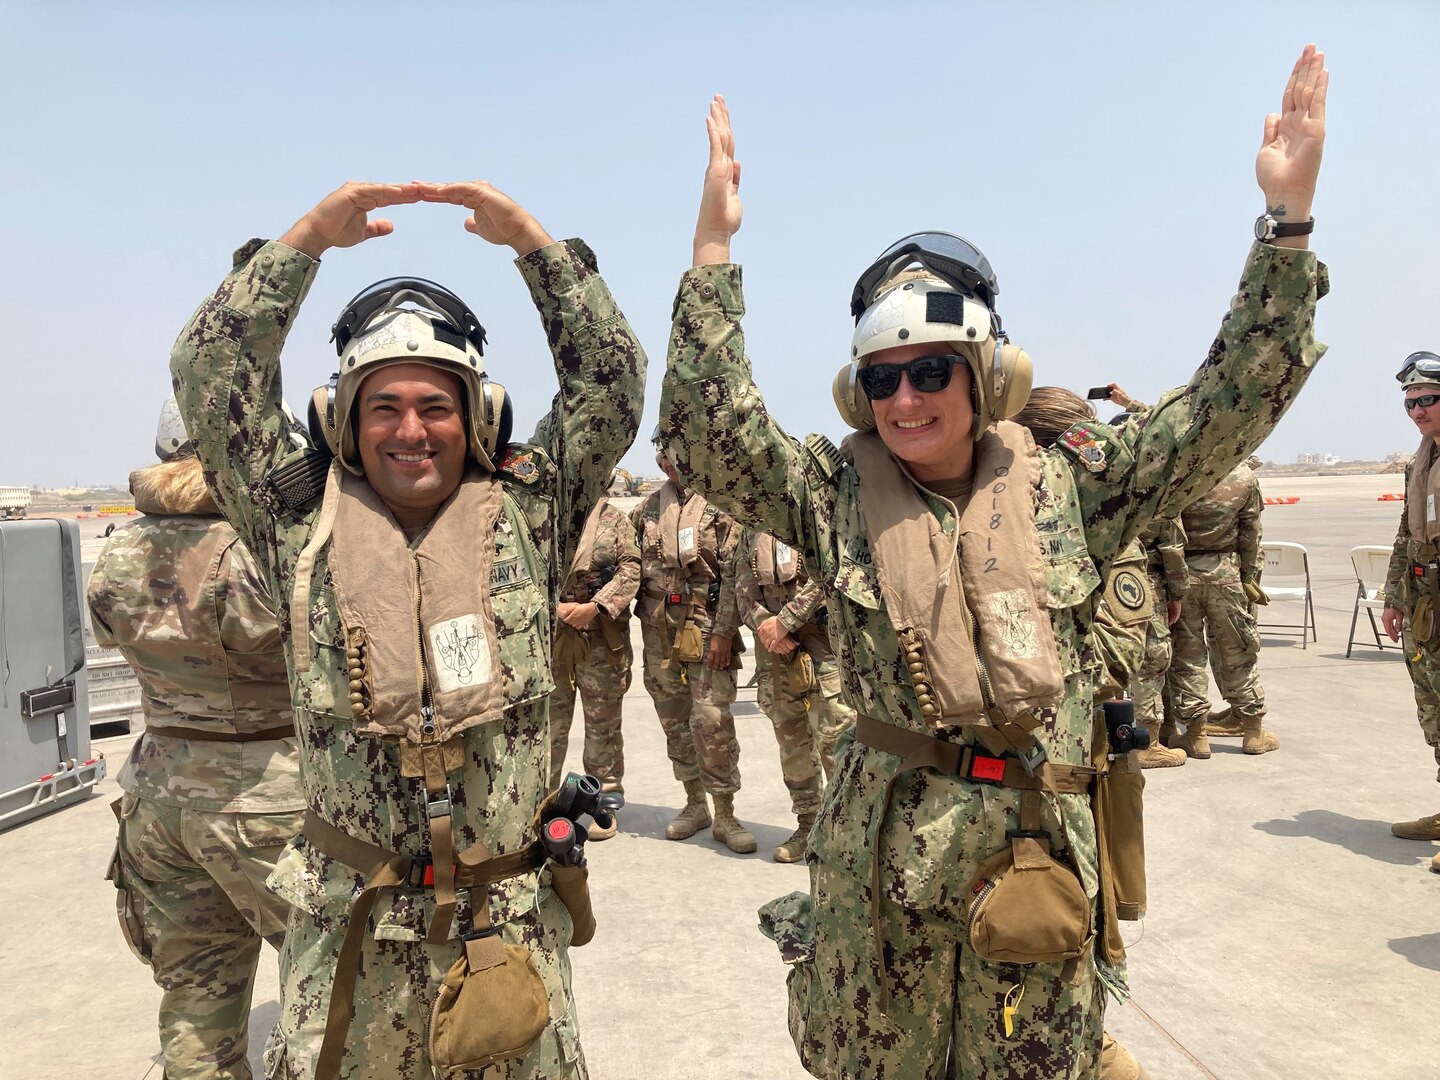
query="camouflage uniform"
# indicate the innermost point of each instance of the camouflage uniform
(203, 819)
(227, 379)
(692, 700)
(806, 724)
(601, 678)
(946, 1012)
(1217, 621)
(1164, 544)
(1422, 663)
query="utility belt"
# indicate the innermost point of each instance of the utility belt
(474, 868)
(203, 735)
(1190, 552)
(1025, 907)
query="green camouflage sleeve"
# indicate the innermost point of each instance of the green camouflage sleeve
(748, 598)
(1174, 568)
(727, 611)
(247, 617)
(1258, 362)
(1247, 540)
(620, 592)
(1399, 554)
(1138, 407)
(801, 607)
(601, 368)
(226, 371)
(715, 423)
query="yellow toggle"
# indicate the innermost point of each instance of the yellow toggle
(1013, 997)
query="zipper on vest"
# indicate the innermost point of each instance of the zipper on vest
(427, 705)
(987, 690)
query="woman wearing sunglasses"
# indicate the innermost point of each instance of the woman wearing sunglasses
(954, 921)
(1412, 585)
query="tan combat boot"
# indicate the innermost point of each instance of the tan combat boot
(1117, 1063)
(1425, 828)
(728, 830)
(1169, 733)
(1257, 739)
(595, 832)
(694, 817)
(1193, 742)
(794, 849)
(1224, 723)
(1155, 756)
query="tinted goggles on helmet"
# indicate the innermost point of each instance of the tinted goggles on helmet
(928, 374)
(436, 297)
(1426, 363)
(950, 258)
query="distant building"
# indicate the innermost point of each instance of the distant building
(1317, 459)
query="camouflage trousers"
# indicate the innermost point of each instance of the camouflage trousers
(1147, 686)
(1217, 623)
(601, 687)
(806, 724)
(1424, 668)
(193, 884)
(947, 1005)
(396, 987)
(693, 703)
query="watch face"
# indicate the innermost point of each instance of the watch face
(1264, 227)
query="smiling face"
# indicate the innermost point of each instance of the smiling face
(1427, 419)
(411, 434)
(933, 434)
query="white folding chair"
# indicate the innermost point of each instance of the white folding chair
(1371, 563)
(1289, 560)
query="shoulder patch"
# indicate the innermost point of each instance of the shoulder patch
(520, 463)
(299, 480)
(824, 454)
(1086, 444)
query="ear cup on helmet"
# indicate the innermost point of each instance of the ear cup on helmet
(320, 417)
(491, 425)
(850, 399)
(1018, 376)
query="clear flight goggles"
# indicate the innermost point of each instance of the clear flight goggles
(393, 291)
(1419, 366)
(951, 258)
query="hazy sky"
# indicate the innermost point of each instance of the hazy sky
(1101, 155)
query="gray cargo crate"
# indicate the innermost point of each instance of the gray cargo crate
(45, 758)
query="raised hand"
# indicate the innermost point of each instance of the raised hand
(720, 209)
(342, 218)
(1289, 161)
(494, 215)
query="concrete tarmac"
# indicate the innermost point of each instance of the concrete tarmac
(1289, 935)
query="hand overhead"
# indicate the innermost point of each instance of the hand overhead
(494, 215)
(1288, 163)
(720, 209)
(341, 219)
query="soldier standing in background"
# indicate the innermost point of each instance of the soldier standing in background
(212, 789)
(688, 621)
(1222, 554)
(592, 651)
(1412, 584)
(798, 678)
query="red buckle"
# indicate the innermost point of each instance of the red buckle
(986, 769)
(674, 598)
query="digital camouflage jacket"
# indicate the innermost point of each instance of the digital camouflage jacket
(1225, 520)
(1088, 507)
(227, 382)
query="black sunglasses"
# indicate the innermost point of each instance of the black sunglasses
(928, 374)
(1424, 401)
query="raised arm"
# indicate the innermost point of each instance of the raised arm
(226, 361)
(598, 359)
(1259, 361)
(714, 422)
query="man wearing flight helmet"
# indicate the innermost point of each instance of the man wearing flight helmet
(951, 924)
(1412, 584)
(416, 571)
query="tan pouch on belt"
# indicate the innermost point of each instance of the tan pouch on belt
(1027, 908)
(801, 673)
(689, 644)
(492, 1005)
(1122, 790)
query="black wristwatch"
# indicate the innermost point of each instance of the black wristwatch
(1267, 228)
